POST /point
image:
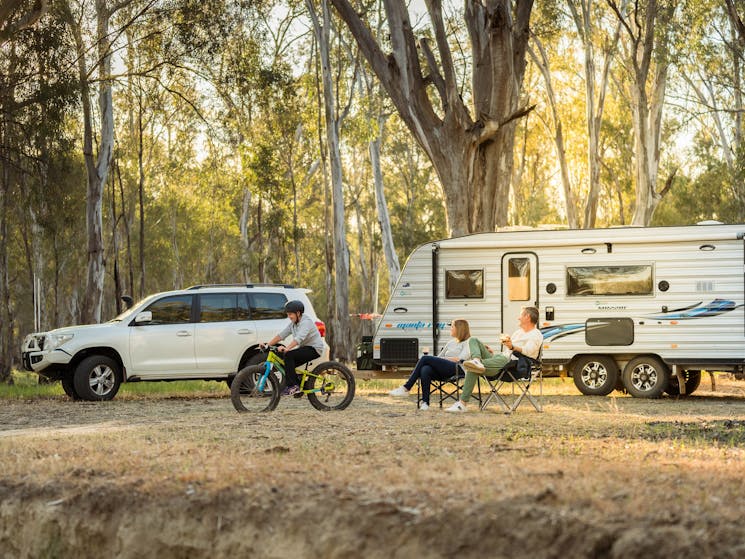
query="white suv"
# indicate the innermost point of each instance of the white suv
(206, 332)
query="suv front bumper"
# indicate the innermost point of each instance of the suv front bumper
(36, 359)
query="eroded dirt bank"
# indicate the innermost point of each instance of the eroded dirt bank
(319, 522)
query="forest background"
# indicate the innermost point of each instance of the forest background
(149, 145)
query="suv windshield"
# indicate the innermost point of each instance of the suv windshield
(131, 310)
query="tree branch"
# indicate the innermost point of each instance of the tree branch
(366, 41)
(434, 7)
(8, 7)
(617, 11)
(668, 184)
(434, 73)
(492, 127)
(736, 20)
(403, 44)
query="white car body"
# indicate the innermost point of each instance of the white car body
(213, 340)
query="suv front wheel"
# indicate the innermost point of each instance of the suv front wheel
(97, 378)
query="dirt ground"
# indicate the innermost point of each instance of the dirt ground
(175, 477)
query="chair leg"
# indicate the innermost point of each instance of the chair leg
(516, 384)
(494, 394)
(526, 393)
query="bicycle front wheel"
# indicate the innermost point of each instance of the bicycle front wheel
(333, 386)
(248, 397)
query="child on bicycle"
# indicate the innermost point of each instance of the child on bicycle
(306, 344)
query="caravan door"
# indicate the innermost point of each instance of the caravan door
(519, 286)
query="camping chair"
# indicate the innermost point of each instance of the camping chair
(519, 382)
(448, 389)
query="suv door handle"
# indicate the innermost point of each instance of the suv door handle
(183, 333)
(245, 331)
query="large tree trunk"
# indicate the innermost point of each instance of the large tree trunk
(141, 190)
(648, 30)
(245, 239)
(541, 60)
(594, 99)
(328, 243)
(391, 258)
(472, 155)
(342, 340)
(97, 168)
(6, 314)
(707, 83)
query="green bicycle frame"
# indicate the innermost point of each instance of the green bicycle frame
(274, 359)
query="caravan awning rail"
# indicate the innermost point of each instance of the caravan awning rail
(531, 239)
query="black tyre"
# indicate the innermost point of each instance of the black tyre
(248, 397)
(255, 359)
(595, 375)
(692, 381)
(646, 377)
(68, 385)
(334, 386)
(97, 378)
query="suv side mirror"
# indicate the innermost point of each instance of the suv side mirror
(144, 316)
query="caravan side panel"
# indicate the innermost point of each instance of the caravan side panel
(409, 311)
(694, 313)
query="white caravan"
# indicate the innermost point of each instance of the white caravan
(645, 309)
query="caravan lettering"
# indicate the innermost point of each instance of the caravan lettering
(419, 325)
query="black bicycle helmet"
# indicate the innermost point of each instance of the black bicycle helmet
(294, 306)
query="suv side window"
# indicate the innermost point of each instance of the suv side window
(171, 310)
(223, 307)
(266, 306)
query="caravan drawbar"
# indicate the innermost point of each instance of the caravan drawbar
(644, 309)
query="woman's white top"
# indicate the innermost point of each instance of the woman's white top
(454, 348)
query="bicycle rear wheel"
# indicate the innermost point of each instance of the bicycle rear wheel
(247, 397)
(335, 384)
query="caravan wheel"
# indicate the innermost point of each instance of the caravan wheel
(692, 380)
(646, 377)
(595, 375)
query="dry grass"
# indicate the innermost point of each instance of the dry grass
(612, 461)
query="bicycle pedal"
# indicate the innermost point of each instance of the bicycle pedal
(297, 395)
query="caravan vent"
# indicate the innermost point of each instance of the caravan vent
(705, 286)
(399, 351)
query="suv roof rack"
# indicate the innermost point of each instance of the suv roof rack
(284, 285)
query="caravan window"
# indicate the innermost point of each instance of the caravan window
(518, 279)
(609, 280)
(464, 284)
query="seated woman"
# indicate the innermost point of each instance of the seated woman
(441, 367)
(526, 340)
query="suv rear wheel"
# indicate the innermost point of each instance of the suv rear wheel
(97, 378)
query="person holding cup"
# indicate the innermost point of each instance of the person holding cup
(440, 367)
(526, 341)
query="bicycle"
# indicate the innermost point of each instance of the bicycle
(257, 388)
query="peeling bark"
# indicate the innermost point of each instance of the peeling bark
(470, 148)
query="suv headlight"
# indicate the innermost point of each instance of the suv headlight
(53, 341)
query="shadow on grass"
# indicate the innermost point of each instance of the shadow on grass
(727, 432)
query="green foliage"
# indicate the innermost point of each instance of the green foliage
(711, 195)
(222, 96)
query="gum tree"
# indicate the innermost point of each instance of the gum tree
(470, 144)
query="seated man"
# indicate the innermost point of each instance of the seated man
(526, 341)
